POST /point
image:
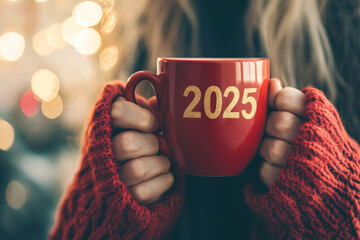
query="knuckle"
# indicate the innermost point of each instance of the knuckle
(128, 142)
(170, 179)
(154, 143)
(264, 172)
(146, 120)
(285, 98)
(137, 169)
(141, 193)
(117, 110)
(268, 174)
(275, 151)
(278, 122)
(165, 162)
(283, 122)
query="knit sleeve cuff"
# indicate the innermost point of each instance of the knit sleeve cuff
(98, 205)
(317, 194)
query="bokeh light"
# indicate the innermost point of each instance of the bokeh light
(7, 135)
(70, 30)
(46, 94)
(12, 46)
(88, 13)
(53, 36)
(108, 58)
(53, 108)
(29, 103)
(108, 23)
(41, 45)
(88, 41)
(45, 84)
(15, 194)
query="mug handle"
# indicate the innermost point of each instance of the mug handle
(158, 82)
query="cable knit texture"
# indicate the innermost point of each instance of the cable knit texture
(315, 197)
(98, 205)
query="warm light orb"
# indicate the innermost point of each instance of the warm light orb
(108, 58)
(70, 30)
(88, 13)
(45, 84)
(53, 36)
(108, 23)
(15, 194)
(53, 108)
(7, 135)
(41, 45)
(29, 104)
(12, 46)
(88, 41)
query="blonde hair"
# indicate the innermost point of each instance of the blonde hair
(163, 27)
(291, 34)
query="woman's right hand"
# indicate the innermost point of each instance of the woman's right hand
(141, 168)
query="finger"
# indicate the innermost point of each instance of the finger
(274, 89)
(132, 144)
(141, 169)
(275, 151)
(269, 173)
(283, 125)
(291, 100)
(149, 191)
(129, 115)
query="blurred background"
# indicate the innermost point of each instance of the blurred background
(55, 56)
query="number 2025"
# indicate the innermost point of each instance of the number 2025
(228, 113)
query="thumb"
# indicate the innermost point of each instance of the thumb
(274, 89)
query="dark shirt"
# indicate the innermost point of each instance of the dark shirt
(222, 28)
(214, 207)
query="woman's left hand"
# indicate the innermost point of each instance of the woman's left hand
(281, 128)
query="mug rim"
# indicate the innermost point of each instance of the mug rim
(206, 59)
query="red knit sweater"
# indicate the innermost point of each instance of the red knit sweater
(317, 196)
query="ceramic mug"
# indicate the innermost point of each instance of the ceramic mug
(212, 111)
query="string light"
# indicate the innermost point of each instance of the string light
(108, 58)
(7, 135)
(15, 194)
(12, 46)
(108, 23)
(70, 30)
(45, 84)
(41, 45)
(53, 108)
(88, 13)
(53, 36)
(88, 41)
(30, 105)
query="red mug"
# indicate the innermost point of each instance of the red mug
(212, 111)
